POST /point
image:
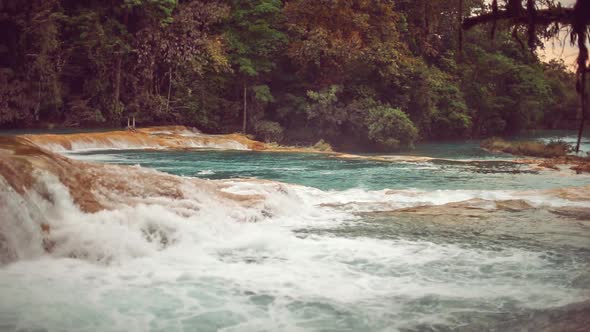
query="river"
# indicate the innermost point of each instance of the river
(470, 241)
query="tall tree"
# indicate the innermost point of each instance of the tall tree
(254, 41)
(329, 38)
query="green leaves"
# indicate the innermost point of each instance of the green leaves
(358, 73)
(269, 131)
(263, 94)
(160, 10)
(390, 127)
(253, 35)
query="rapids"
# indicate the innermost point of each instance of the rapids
(130, 234)
(172, 137)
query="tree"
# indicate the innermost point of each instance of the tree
(546, 22)
(254, 41)
(297, 70)
(390, 127)
(331, 40)
(564, 100)
(175, 54)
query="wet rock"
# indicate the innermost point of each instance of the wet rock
(477, 208)
(513, 205)
(579, 213)
(582, 167)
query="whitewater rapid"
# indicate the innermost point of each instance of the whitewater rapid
(155, 138)
(92, 247)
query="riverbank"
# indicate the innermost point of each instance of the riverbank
(186, 138)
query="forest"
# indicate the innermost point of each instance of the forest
(359, 74)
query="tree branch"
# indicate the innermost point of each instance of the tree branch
(543, 17)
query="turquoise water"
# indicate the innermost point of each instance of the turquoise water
(329, 173)
(462, 165)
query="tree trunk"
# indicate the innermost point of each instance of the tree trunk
(169, 90)
(38, 106)
(426, 23)
(202, 91)
(245, 119)
(118, 68)
(584, 102)
(460, 20)
(117, 92)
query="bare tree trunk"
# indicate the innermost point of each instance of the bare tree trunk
(118, 68)
(38, 106)
(169, 89)
(583, 119)
(158, 82)
(244, 124)
(426, 23)
(118, 80)
(202, 91)
(460, 21)
(117, 92)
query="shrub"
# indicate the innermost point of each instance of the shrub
(390, 127)
(322, 145)
(269, 131)
(555, 148)
(560, 145)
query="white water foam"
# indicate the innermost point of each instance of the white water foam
(227, 145)
(192, 141)
(199, 263)
(20, 222)
(360, 200)
(90, 145)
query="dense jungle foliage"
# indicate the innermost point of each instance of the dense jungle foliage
(378, 74)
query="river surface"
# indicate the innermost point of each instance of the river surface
(330, 251)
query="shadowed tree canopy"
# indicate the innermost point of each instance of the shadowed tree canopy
(359, 74)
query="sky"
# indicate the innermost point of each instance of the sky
(561, 48)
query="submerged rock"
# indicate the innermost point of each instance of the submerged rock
(513, 205)
(471, 208)
(580, 213)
